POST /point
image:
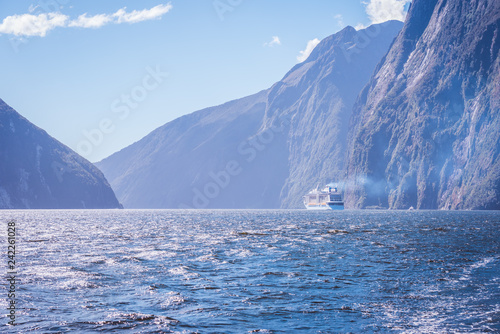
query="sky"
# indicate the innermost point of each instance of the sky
(100, 75)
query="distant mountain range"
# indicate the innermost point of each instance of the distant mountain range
(426, 128)
(262, 151)
(38, 172)
(401, 116)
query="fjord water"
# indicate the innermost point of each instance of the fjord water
(162, 271)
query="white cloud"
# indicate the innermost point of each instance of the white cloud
(384, 10)
(275, 41)
(39, 25)
(340, 20)
(95, 21)
(360, 26)
(141, 15)
(309, 48)
(32, 25)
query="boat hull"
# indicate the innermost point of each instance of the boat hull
(327, 206)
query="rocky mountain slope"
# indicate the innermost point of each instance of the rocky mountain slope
(262, 151)
(426, 129)
(38, 172)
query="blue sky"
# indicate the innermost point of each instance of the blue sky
(122, 68)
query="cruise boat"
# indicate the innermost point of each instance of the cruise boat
(328, 198)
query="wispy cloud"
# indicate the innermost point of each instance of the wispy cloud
(340, 20)
(39, 25)
(135, 16)
(384, 10)
(309, 48)
(360, 26)
(275, 41)
(96, 21)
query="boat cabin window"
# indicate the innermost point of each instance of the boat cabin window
(335, 198)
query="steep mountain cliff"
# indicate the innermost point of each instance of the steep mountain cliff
(262, 151)
(38, 172)
(425, 130)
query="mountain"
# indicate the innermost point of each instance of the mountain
(426, 127)
(38, 172)
(262, 151)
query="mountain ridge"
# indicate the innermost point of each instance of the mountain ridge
(427, 134)
(270, 140)
(39, 172)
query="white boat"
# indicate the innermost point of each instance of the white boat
(328, 198)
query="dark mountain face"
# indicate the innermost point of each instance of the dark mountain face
(262, 151)
(425, 130)
(38, 172)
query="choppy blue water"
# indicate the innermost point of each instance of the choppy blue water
(255, 271)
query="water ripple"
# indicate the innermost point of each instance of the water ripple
(169, 271)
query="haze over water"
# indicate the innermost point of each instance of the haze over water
(276, 271)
